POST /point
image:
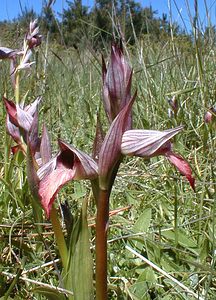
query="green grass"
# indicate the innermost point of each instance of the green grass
(166, 222)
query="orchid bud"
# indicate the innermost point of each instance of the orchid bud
(116, 82)
(210, 115)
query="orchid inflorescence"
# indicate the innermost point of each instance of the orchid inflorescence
(120, 140)
(48, 173)
(31, 40)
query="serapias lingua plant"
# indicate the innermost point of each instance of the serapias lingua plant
(50, 175)
(120, 140)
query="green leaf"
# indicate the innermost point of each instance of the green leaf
(139, 291)
(143, 222)
(204, 250)
(79, 190)
(50, 294)
(182, 238)
(148, 275)
(79, 277)
(141, 225)
(169, 265)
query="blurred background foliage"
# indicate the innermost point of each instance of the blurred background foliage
(79, 24)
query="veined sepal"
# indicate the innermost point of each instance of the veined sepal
(110, 153)
(150, 143)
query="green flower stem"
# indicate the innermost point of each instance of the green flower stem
(101, 244)
(60, 240)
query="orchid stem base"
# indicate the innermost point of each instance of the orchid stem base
(102, 220)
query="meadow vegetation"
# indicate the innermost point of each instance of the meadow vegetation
(153, 210)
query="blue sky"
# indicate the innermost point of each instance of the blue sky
(9, 9)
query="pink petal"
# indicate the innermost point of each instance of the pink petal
(69, 164)
(33, 25)
(208, 117)
(98, 140)
(86, 167)
(11, 110)
(32, 107)
(32, 177)
(12, 71)
(26, 57)
(47, 168)
(32, 136)
(24, 119)
(13, 130)
(51, 184)
(45, 146)
(104, 69)
(182, 165)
